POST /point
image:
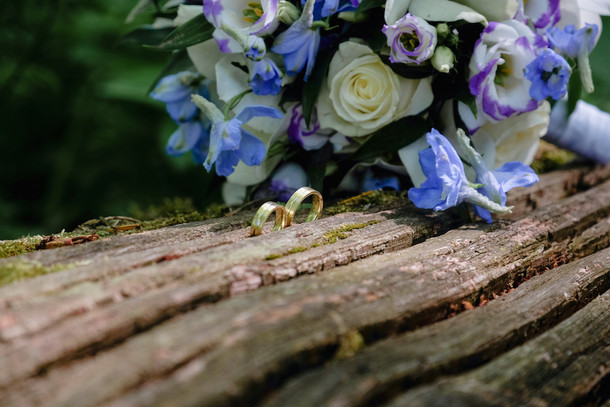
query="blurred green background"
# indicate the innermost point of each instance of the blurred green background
(79, 137)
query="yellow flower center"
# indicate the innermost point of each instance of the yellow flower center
(253, 12)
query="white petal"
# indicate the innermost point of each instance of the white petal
(445, 10)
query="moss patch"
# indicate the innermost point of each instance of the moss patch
(343, 231)
(350, 343)
(367, 201)
(550, 158)
(20, 270)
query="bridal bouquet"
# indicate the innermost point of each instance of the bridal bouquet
(448, 98)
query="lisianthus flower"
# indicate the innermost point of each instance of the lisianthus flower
(240, 24)
(541, 13)
(229, 141)
(175, 90)
(549, 74)
(265, 78)
(299, 43)
(496, 68)
(411, 40)
(310, 137)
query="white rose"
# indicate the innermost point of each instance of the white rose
(497, 10)
(362, 94)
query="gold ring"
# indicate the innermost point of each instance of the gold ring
(297, 199)
(263, 214)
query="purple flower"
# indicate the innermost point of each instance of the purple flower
(542, 13)
(412, 40)
(299, 43)
(265, 77)
(175, 90)
(572, 42)
(549, 74)
(309, 137)
(286, 180)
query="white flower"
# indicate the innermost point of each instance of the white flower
(496, 74)
(513, 139)
(431, 10)
(496, 10)
(411, 40)
(362, 94)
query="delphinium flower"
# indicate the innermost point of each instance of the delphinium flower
(265, 78)
(325, 8)
(549, 74)
(230, 142)
(310, 137)
(411, 40)
(446, 184)
(576, 44)
(494, 184)
(299, 43)
(372, 183)
(175, 90)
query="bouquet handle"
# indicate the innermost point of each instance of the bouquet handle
(586, 131)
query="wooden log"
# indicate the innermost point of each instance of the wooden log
(387, 368)
(238, 348)
(561, 367)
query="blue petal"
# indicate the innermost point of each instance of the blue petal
(215, 145)
(184, 138)
(170, 89)
(515, 174)
(250, 112)
(251, 151)
(182, 110)
(226, 163)
(483, 213)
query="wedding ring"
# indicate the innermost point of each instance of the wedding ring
(297, 199)
(263, 214)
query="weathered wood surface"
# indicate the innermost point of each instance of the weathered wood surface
(359, 308)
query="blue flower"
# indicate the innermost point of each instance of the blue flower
(446, 181)
(371, 183)
(498, 182)
(229, 141)
(549, 74)
(299, 44)
(265, 77)
(325, 8)
(572, 42)
(186, 138)
(446, 184)
(175, 90)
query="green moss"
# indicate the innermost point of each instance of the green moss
(550, 158)
(20, 270)
(274, 256)
(297, 249)
(343, 231)
(366, 201)
(349, 344)
(24, 245)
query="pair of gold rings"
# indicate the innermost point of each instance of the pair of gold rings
(285, 214)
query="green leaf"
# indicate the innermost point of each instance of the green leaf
(409, 71)
(146, 35)
(368, 5)
(194, 31)
(574, 91)
(311, 88)
(392, 138)
(471, 102)
(316, 166)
